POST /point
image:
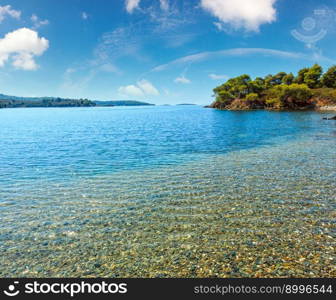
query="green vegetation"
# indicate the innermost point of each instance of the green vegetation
(329, 78)
(309, 89)
(47, 102)
(14, 101)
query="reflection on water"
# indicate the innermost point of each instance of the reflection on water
(166, 192)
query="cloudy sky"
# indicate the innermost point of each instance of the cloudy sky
(161, 51)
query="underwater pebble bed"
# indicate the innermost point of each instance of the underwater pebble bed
(269, 211)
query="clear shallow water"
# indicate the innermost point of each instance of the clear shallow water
(166, 191)
(67, 143)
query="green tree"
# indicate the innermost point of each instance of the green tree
(268, 81)
(312, 77)
(257, 86)
(288, 79)
(224, 97)
(301, 76)
(237, 87)
(271, 80)
(329, 78)
(277, 79)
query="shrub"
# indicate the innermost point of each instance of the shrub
(252, 97)
(274, 103)
(327, 95)
(288, 96)
(296, 93)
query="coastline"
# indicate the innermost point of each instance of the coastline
(321, 109)
(327, 108)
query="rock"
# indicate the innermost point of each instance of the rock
(332, 118)
(327, 108)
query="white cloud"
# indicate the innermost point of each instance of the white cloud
(109, 68)
(168, 18)
(8, 11)
(73, 84)
(182, 79)
(122, 41)
(24, 61)
(219, 25)
(111, 46)
(131, 90)
(164, 5)
(37, 22)
(70, 70)
(141, 89)
(247, 14)
(235, 52)
(218, 77)
(147, 87)
(131, 5)
(84, 15)
(20, 47)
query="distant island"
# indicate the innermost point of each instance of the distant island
(15, 102)
(182, 104)
(121, 103)
(310, 89)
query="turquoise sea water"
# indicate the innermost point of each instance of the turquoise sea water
(166, 191)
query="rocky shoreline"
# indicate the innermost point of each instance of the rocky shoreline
(327, 108)
(332, 118)
(322, 109)
(238, 105)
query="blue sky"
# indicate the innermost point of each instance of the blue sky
(160, 51)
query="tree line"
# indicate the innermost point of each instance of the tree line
(48, 102)
(280, 91)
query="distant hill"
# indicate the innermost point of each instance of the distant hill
(7, 101)
(57, 102)
(121, 103)
(185, 104)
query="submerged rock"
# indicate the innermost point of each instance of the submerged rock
(332, 118)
